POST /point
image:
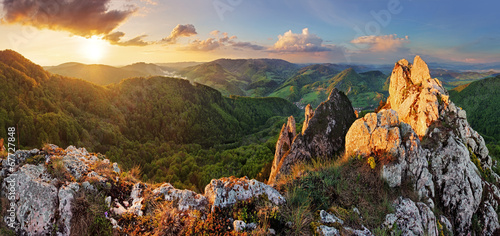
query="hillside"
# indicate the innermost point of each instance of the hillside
(140, 121)
(250, 77)
(312, 84)
(104, 74)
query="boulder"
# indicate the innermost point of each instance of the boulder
(183, 199)
(225, 192)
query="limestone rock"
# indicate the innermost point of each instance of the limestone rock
(239, 225)
(309, 113)
(285, 141)
(183, 199)
(35, 200)
(411, 218)
(328, 218)
(225, 192)
(328, 231)
(415, 96)
(116, 168)
(323, 137)
(66, 196)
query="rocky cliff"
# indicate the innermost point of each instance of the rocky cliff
(323, 135)
(422, 138)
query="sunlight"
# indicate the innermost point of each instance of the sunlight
(94, 48)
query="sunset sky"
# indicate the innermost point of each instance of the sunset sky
(119, 32)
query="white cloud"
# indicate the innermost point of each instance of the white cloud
(305, 42)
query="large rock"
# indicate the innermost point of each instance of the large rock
(414, 95)
(225, 192)
(66, 196)
(285, 141)
(323, 137)
(382, 135)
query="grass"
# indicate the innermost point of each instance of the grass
(88, 209)
(338, 186)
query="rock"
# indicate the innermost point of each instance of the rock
(107, 200)
(411, 218)
(284, 143)
(135, 195)
(323, 137)
(97, 177)
(358, 232)
(225, 192)
(458, 182)
(328, 218)
(272, 231)
(86, 185)
(239, 225)
(381, 135)
(9, 165)
(309, 113)
(445, 223)
(328, 231)
(251, 226)
(116, 169)
(77, 161)
(415, 96)
(35, 200)
(66, 196)
(183, 199)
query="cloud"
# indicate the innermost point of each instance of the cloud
(115, 39)
(305, 42)
(202, 45)
(382, 43)
(247, 45)
(217, 41)
(180, 31)
(80, 17)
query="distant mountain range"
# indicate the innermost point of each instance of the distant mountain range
(299, 83)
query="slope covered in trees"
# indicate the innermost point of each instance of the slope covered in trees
(168, 126)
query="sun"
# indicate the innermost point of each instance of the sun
(94, 48)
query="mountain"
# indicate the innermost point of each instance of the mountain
(480, 99)
(251, 77)
(157, 123)
(312, 84)
(98, 74)
(453, 79)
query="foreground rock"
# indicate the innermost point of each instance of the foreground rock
(323, 135)
(43, 192)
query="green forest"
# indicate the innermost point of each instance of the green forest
(171, 129)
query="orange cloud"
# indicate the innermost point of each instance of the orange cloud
(115, 39)
(382, 43)
(80, 17)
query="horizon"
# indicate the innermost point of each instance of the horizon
(113, 32)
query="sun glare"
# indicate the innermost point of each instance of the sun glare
(94, 49)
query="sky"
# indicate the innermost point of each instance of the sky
(121, 32)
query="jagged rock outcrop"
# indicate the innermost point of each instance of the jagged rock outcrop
(431, 145)
(323, 136)
(414, 95)
(285, 141)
